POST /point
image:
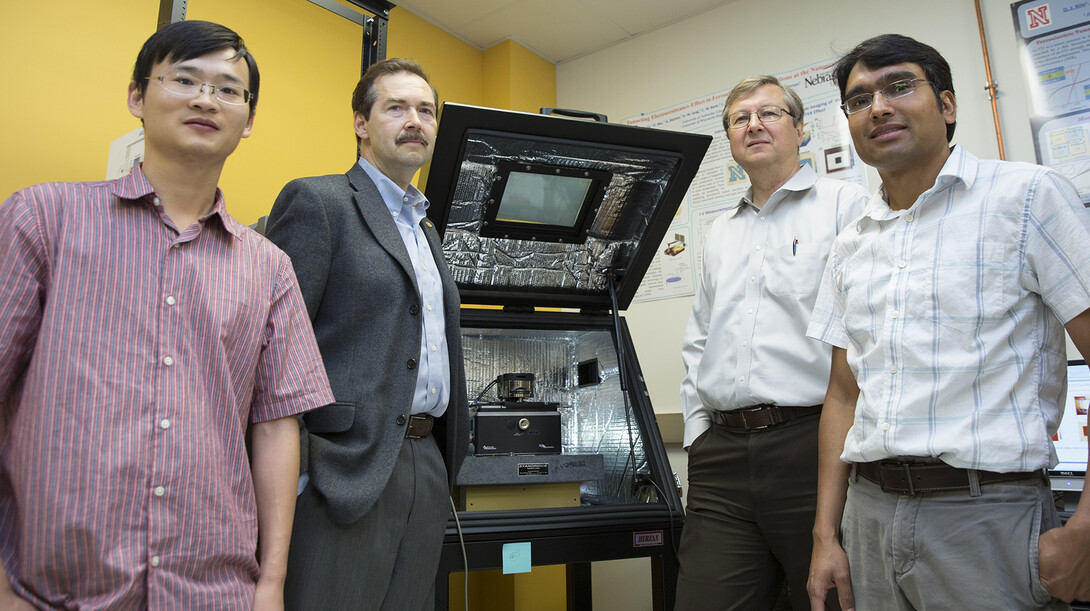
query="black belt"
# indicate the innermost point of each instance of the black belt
(916, 478)
(420, 425)
(761, 416)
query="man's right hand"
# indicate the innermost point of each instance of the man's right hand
(829, 569)
(10, 602)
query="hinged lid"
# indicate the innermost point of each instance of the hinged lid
(539, 210)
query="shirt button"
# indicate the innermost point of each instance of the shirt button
(902, 263)
(160, 491)
(433, 348)
(744, 344)
(168, 361)
(758, 248)
(749, 311)
(908, 218)
(762, 218)
(170, 300)
(429, 308)
(155, 561)
(176, 246)
(741, 378)
(753, 278)
(895, 314)
(434, 390)
(156, 201)
(164, 423)
(892, 369)
(885, 426)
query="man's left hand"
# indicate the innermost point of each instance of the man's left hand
(1064, 560)
(269, 595)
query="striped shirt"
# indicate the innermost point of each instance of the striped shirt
(132, 359)
(745, 343)
(952, 315)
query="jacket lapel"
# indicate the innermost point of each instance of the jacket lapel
(378, 219)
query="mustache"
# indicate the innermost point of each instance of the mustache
(411, 137)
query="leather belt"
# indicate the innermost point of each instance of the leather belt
(761, 416)
(420, 425)
(916, 478)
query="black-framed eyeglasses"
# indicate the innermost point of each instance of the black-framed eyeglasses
(892, 91)
(765, 114)
(183, 84)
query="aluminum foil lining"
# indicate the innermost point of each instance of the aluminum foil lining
(638, 185)
(593, 417)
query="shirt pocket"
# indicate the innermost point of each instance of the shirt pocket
(795, 271)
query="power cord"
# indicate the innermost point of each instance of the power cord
(462, 544)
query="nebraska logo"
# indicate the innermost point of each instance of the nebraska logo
(1038, 17)
(650, 538)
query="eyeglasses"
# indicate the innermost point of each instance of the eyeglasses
(892, 91)
(765, 114)
(183, 84)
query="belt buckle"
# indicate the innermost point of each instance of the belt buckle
(756, 408)
(906, 468)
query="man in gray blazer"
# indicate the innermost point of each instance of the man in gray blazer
(380, 462)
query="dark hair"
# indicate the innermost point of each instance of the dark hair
(365, 94)
(892, 49)
(187, 40)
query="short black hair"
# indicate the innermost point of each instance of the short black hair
(187, 40)
(893, 49)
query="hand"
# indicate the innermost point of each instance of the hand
(9, 601)
(829, 569)
(269, 595)
(1064, 561)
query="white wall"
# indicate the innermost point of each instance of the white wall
(715, 50)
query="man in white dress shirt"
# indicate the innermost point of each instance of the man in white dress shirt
(755, 383)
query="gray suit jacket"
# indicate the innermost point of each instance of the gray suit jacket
(360, 290)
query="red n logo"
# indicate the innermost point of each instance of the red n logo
(1038, 17)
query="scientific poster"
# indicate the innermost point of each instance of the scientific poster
(720, 183)
(1054, 40)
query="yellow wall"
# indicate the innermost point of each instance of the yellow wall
(67, 65)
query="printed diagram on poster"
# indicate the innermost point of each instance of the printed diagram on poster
(720, 182)
(1054, 40)
(125, 152)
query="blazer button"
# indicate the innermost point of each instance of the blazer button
(414, 309)
(411, 363)
(401, 420)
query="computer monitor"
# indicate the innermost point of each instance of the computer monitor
(1070, 438)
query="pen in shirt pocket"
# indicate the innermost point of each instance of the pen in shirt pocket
(795, 246)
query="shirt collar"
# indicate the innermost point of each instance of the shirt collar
(805, 178)
(392, 195)
(960, 167)
(135, 187)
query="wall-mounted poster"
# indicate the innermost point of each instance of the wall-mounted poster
(1054, 40)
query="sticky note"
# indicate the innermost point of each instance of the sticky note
(516, 558)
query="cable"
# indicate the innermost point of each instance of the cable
(484, 390)
(465, 559)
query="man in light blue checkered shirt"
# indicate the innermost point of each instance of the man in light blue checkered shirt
(946, 305)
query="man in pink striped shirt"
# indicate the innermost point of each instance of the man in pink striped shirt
(142, 330)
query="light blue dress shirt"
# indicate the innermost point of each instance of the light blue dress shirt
(408, 209)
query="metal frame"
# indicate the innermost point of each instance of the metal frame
(374, 28)
(170, 11)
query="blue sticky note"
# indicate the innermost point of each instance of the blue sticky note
(516, 558)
